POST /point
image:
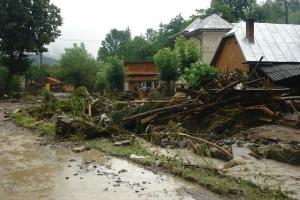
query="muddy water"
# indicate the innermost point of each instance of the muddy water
(29, 170)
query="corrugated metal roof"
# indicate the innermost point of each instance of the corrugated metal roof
(280, 71)
(212, 22)
(275, 42)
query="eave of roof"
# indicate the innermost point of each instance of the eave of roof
(280, 72)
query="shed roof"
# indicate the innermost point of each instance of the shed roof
(275, 42)
(280, 71)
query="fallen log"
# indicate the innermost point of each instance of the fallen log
(164, 109)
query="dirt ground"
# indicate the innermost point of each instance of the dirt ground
(32, 169)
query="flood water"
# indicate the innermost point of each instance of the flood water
(29, 170)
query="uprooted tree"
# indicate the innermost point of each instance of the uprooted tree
(25, 27)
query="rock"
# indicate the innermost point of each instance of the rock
(233, 163)
(67, 178)
(122, 171)
(122, 143)
(79, 149)
(133, 156)
(182, 143)
(281, 152)
(116, 185)
(105, 189)
(72, 160)
(157, 163)
(228, 141)
(16, 110)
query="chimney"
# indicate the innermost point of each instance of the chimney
(250, 30)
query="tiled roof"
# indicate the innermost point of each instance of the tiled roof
(275, 42)
(280, 71)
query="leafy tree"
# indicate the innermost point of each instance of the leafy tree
(101, 80)
(175, 25)
(167, 61)
(78, 67)
(231, 10)
(140, 49)
(200, 74)
(188, 52)
(26, 26)
(115, 73)
(36, 72)
(278, 11)
(114, 44)
(15, 84)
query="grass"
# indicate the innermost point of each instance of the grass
(221, 184)
(25, 120)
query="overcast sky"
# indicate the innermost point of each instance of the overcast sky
(89, 21)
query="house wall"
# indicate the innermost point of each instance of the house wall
(209, 41)
(230, 57)
(139, 73)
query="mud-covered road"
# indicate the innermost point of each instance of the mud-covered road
(29, 170)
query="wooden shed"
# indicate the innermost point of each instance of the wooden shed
(141, 74)
(277, 44)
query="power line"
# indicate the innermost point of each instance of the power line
(78, 40)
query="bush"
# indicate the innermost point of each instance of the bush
(15, 84)
(200, 74)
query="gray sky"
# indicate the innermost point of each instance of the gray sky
(89, 21)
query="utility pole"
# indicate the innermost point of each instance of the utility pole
(286, 6)
(41, 60)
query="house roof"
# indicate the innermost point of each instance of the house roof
(141, 78)
(53, 81)
(278, 43)
(210, 23)
(280, 71)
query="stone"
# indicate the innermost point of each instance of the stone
(136, 157)
(122, 143)
(228, 141)
(122, 171)
(79, 149)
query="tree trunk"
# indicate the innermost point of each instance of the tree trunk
(286, 12)
(8, 82)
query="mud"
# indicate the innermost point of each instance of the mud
(264, 172)
(29, 170)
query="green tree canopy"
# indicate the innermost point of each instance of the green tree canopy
(115, 44)
(36, 72)
(78, 67)
(115, 73)
(139, 49)
(199, 74)
(188, 52)
(231, 10)
(26, 26)
(167, 61)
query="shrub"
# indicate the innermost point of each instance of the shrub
(200, 74)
